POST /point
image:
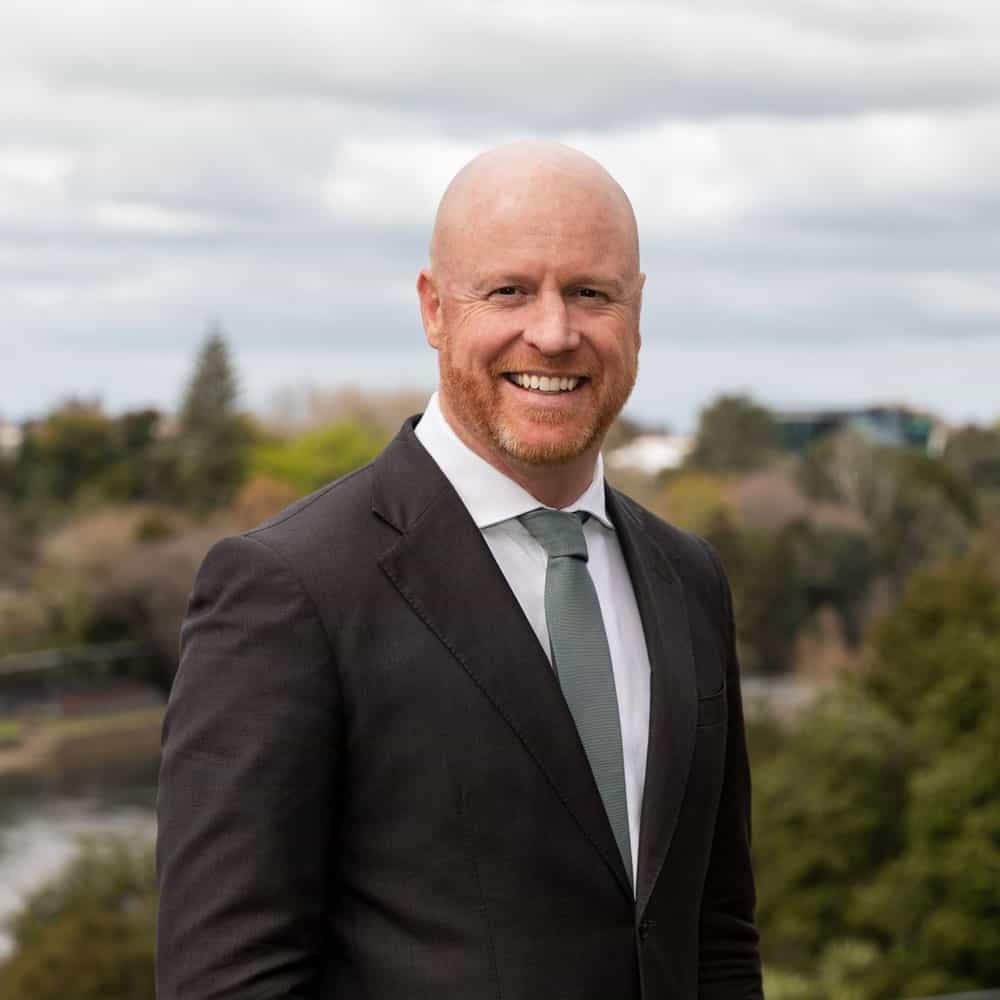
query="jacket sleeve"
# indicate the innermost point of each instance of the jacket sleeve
(245, 802)
(729, 957)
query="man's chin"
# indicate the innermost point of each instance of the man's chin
(551, 448)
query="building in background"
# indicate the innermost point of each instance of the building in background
(892, 426)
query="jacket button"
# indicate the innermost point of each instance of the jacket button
(645, 927)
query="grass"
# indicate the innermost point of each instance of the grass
(101, 724)
(11, 732)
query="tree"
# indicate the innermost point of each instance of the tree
(918, 508)
(827, 814)
(735, 434)
(695, 501)
(877, 833)
(71, 448)
(975, 452)
(211, 449)
(315, 458)
(87, 933)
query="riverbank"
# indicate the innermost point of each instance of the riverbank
(82, 742)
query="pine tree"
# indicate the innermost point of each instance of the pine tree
(213, 438)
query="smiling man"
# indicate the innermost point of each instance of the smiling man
(467, 723)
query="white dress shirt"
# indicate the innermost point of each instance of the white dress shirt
(494, 502)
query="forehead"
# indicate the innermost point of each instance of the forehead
(566, 230)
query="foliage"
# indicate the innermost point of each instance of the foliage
(917, 507)
(72, 447)
(88, 933)
(117, 572)
(260, 499)
(78, 454)
(209, 456)
(827, 815)
(974, 452)
(769, 599)
(695, 501)
(313, 459)
(735, 434)
(930, 660)
(781, 578)
(16, 545)
(877, 832)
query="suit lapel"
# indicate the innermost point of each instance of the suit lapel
(443, 568)
(673, 701)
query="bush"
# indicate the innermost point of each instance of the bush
(313, 459)
(88, 934)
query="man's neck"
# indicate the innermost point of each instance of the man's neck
(553, 485)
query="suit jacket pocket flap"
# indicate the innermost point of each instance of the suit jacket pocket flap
(712, 710)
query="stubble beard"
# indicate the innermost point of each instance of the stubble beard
(475, 400)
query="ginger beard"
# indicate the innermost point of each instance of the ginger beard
(476, 400)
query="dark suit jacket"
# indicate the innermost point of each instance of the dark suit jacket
(371, 786)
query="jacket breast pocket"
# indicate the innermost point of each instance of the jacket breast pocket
(712, 709)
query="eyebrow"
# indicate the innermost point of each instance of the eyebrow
(504, 278)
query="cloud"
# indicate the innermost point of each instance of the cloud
(806, 173)
(562, 64)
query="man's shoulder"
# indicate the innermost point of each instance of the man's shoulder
(358, 515)
(334, 505)
(332, 524)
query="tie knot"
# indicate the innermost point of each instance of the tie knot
(559, 532)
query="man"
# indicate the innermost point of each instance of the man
(433, 734)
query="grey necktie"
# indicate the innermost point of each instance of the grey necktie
(582, 659)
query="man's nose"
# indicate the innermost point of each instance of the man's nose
(549, 329)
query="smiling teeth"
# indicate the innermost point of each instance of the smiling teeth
(544, 383)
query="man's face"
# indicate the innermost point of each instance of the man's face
(537, 325)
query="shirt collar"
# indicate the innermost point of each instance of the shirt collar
(489, 495)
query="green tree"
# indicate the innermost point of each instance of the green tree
(975, 452)
(877, 823)
(735, 434)
(134, 475)
(88, 933)
(769, 594)
(936, 666)
(72, 447)
(835, 566)
(312, 459)
(210, 452)
(827, 814)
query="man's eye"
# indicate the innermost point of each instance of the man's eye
(506, 290)
(588, 293)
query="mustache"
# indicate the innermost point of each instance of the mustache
(543, 366)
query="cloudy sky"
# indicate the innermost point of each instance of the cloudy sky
(817, 184)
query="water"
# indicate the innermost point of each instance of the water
(43, 816)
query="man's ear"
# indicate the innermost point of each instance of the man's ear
(430, 307)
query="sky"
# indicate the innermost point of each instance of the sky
(817, 184)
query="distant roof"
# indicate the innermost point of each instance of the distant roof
(652, 453)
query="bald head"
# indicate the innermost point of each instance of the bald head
(532, 301)
(547, 182)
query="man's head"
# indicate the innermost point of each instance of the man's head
(532, 300)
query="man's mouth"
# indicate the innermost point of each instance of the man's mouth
(544, 383)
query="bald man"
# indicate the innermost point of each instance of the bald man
(466, 723)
